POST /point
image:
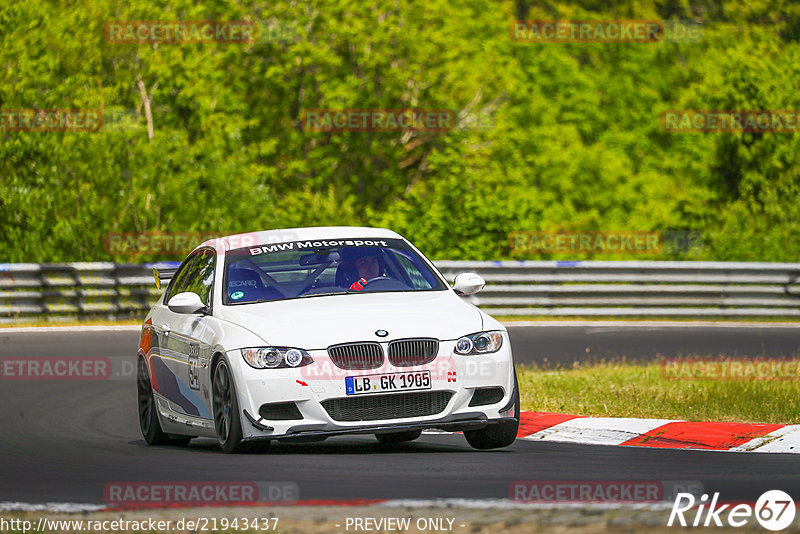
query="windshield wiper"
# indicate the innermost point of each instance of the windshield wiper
(323, 294)
(257, 301)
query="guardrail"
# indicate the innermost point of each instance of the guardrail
(66, 291)
(635, 288)
(531, 288)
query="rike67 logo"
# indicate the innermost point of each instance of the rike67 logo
(774, 510)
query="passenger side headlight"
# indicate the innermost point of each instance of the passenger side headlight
(276, 357)
(480, 343)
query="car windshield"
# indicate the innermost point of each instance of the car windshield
(298, 269)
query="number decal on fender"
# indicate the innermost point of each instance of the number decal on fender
(194, 366)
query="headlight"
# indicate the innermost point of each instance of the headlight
(276, 357)
(480, 343)
(293, 357)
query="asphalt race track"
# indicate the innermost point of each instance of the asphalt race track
(63, 441)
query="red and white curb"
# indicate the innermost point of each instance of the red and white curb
(659, 433)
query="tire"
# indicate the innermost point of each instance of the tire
(398, 437)
(497, 435)
(227, 422)
(148, 418)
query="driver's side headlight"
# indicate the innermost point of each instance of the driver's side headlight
(276, 357)
(480, 343)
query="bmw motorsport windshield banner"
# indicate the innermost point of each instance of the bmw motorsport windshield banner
(318, 244)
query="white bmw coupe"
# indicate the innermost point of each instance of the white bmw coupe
(303, 334)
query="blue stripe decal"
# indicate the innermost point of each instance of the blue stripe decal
(176, 391)
(192, 397)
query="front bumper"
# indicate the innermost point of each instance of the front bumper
(452, 424)
(308, 387)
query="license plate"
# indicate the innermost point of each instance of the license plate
(360, 385)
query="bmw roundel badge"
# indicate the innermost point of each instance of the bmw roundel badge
(381, 333)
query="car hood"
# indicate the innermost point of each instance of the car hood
(317, 322)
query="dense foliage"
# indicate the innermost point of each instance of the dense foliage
(551, 137)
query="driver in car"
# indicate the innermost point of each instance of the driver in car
(368, 267)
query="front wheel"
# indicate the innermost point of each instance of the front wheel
(497, 435)
(227, 422)
(226, 409)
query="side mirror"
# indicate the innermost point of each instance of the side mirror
(186, 303)
(468, 283)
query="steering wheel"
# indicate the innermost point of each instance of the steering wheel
(381, 283)
(358, 285)
(376, 279)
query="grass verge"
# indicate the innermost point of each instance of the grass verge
(76, 322)
(624, 389)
